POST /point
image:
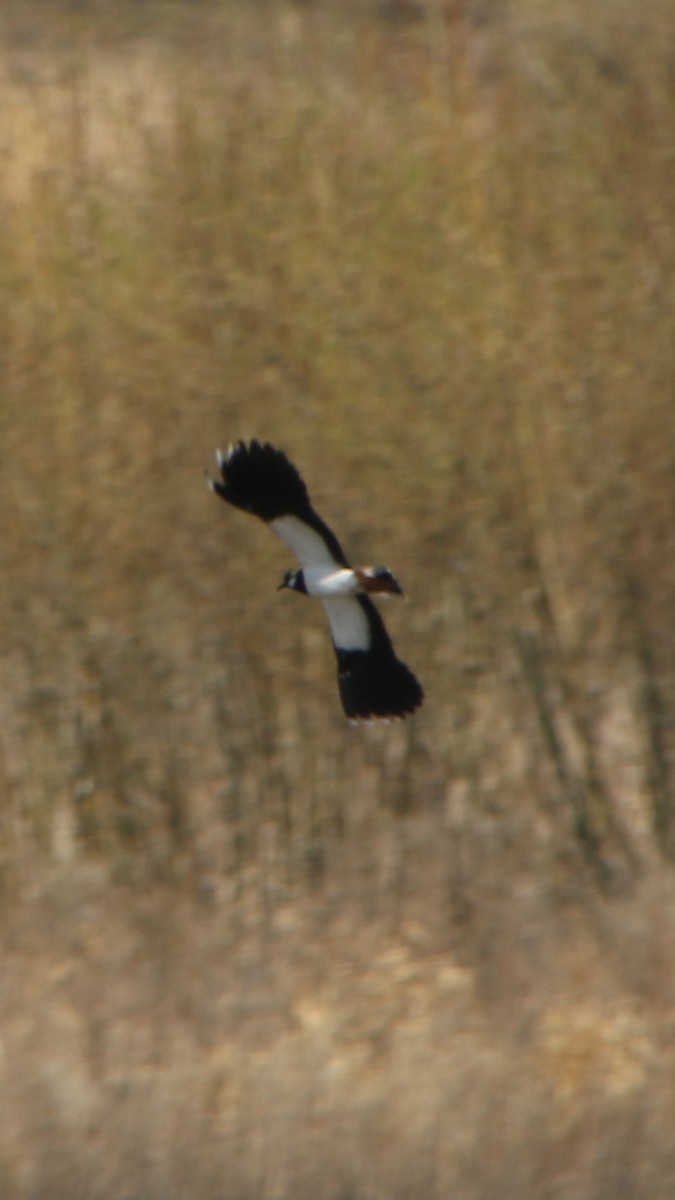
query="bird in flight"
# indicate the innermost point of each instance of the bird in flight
(374, 684)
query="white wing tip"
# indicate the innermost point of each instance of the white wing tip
(361, 722)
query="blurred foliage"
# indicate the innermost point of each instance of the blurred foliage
(433, 259)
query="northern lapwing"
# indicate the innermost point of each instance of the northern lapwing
(374, 684)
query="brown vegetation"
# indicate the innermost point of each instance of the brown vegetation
(249, 951)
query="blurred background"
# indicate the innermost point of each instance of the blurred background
(426, 247)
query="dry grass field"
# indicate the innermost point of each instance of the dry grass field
(249, 952)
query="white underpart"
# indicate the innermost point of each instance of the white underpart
(305, 542)
(348, 622)
(334, 585)
(327, 581)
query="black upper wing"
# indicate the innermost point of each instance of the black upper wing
(259, 479)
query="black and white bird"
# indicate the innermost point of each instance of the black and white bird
(374, 684)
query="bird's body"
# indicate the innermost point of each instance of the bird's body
(324, 582)
(374, 684)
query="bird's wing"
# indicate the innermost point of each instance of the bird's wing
(306, 542)
(260, 479)
(349, 625)
(374, 684)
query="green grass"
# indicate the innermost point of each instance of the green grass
(433, 259)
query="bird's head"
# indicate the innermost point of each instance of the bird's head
(294, 581)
